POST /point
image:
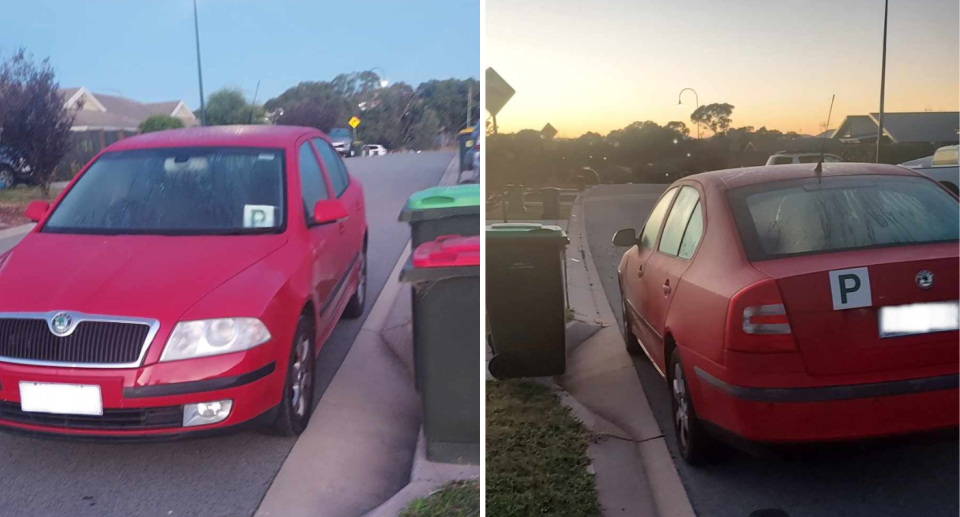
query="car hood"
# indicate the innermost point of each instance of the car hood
(144, 276)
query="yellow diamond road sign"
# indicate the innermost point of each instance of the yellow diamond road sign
(354, 122)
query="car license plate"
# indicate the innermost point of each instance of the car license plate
(919, 318)
(61, 399)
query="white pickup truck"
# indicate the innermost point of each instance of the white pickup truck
(942, 166)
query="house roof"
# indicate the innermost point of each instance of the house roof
(907, 127)
(115, 112)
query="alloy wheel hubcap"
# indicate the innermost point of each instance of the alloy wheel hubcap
(682, 415)
(301, 377)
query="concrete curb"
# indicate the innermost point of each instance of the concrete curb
(601, 378)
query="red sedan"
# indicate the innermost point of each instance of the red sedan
(785, 306)
(184, 282)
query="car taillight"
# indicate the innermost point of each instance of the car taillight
(757, 320)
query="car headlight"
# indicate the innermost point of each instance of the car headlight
(202, 338)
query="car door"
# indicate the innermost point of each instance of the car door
(666, 265)
(636, 260)
(351, 195)
(326, 259)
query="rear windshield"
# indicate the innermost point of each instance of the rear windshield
(176, 191)
(807, 216)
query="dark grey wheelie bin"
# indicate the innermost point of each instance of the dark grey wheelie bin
(525, 301)
(445, 279)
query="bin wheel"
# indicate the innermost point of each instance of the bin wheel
(501, 367)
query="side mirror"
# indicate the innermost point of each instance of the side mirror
(36, 210)
(329, 211)
(625, 238)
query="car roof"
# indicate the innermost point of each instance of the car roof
(230, 136)
(735, 178)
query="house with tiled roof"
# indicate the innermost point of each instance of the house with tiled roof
(934, 127)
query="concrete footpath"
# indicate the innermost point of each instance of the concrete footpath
(635, 474)
(360, 452)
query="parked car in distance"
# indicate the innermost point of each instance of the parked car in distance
(473, 158)
(788, 157)
(785, 306)
(342, 140)
(374, 150)
(942, 166)
(13, 171)
(183, 283)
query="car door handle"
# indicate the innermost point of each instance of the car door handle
(666, 288)
(640, 272)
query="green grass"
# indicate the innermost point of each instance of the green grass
(23, 194)
(536, 455)
(455, 499)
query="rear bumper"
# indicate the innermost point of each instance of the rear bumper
(809, 414)
(135, 410)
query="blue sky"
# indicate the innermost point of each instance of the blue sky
(144, 49)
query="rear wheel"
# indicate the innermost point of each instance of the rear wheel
(693, 442)
(296, 405)
(355, 305)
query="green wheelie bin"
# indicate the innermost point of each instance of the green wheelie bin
(525, 299)
(440, 211)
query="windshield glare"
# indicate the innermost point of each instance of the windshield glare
(186, 191)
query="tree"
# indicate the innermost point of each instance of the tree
(678, 127)
(228, 106)
(714, 116)
(310, 113)
(35, 124)
(159, 123)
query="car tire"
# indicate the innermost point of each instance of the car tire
(355, 305)
(8, 178)
(693, 442)
(629, 339)
(296, 404)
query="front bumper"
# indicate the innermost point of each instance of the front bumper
(832, 413)
(147, 402)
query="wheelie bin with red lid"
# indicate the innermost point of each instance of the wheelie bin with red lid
(445, 276)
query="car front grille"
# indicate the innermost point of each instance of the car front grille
(112, 419)
(92, 342)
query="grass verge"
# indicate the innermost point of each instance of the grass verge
(455, 499)
(536, 455)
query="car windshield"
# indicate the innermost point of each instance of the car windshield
(176, 191)
(842, 213)
(339, 133)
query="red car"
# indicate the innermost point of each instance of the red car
(785, 306)
(183, 282)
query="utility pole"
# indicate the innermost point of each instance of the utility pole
(196, 28)
(883, 79)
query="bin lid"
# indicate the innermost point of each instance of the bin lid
(448, 251)
(525, 231)
(437, 202)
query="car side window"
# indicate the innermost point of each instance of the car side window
(691, 237)
(312, 186)
(782, 160)
(334, 166)
(677, 220)
(649, 235)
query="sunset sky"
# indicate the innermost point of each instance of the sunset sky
(599, 65)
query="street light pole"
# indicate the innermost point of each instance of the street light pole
(196, 28)
(696, 98)
(883, 79)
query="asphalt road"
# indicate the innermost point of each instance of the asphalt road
(892, 478)
(217, 477)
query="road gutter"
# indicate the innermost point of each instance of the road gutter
(601, 378)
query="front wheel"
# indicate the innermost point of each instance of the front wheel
(693, 442)
(296, 405)
(7, 177)
(629, 340)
